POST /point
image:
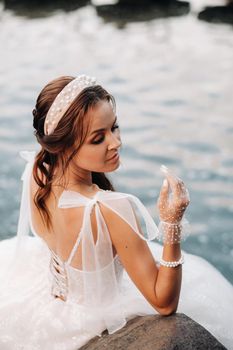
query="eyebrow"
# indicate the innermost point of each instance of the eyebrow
(103, 129)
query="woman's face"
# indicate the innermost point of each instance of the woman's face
(99, 152)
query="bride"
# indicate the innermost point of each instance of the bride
(89, 264)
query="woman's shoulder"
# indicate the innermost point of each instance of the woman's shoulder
(124, 209)
(117, 206)
(119, 201)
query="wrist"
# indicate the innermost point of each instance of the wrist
(171, 222)
(173, 263)
(173, 232)
(171, 251)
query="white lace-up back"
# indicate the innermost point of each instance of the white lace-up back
(59, 280)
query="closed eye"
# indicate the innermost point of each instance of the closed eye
(100, 140)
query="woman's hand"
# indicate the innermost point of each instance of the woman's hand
(172, 209)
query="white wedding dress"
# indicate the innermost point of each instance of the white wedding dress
(99, 295)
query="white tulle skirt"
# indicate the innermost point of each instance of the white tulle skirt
(31, 319)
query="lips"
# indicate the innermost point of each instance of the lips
(115, 156)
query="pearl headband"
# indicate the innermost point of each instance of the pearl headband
(64, 99)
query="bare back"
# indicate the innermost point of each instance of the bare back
(66, 224)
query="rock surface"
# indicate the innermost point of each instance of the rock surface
(175, 332)
(218, 14)
(128, 11)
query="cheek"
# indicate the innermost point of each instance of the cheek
(91, 156)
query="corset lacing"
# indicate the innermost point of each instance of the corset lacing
(59, 277)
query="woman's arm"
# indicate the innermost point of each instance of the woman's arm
(160, 286)
(168, 282)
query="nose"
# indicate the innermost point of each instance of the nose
(114, 142)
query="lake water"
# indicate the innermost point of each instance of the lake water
(172, 80)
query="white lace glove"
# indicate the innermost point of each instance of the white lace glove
(173, 227)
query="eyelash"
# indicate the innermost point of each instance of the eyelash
(116, 126)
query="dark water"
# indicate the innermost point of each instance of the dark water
(172, 79)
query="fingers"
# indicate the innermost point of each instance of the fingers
(177, 185)
(164, 192)
(182, 189)
(172, 179)
(167, 171)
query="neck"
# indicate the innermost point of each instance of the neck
(79, 179)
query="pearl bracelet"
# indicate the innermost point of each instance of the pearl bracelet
(172, 263)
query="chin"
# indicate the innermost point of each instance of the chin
(112, 168)
(106, 168)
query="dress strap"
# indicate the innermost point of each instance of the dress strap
(75, 247)
(72, 199)
(86, 221)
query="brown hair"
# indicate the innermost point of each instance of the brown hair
(68, 135)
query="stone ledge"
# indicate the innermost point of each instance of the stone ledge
(156, 332)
